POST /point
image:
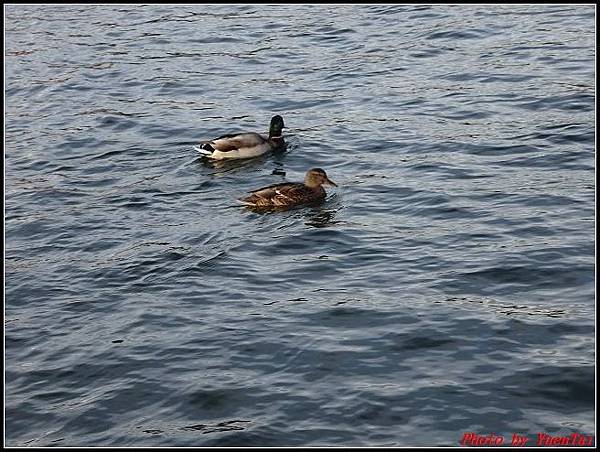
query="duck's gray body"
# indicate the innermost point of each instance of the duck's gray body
(244, 145)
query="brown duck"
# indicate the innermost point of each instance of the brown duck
(291, 193)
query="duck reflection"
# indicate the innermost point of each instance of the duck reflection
(217, 168)
(320, 217)
(232, 165)
(314, 215)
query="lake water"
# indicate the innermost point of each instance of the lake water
(446, 286)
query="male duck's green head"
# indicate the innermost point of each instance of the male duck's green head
(276, 126)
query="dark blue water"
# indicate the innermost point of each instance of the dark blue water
(446, 286)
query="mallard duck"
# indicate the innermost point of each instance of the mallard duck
(291, 193)
(244, 145)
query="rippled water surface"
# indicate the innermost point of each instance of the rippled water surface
(446, 286)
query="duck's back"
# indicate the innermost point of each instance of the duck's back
(284, 194)
(226, 143)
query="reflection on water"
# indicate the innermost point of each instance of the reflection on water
(233, 165)
(320, 218)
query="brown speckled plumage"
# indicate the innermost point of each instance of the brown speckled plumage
(291, 193)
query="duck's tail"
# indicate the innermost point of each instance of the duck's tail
(205, 149)
(245, 202)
